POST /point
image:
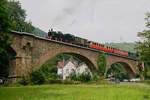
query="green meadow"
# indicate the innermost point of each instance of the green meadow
(77, 92)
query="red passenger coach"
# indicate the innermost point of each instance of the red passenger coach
(108, 49)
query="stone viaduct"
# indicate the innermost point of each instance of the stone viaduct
(32, 51)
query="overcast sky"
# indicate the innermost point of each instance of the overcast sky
(97, 20)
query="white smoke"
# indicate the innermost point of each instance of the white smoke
(75, 11)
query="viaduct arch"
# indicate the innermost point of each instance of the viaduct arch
(32, 51)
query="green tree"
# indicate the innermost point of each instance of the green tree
(4, 38)
(101, 61)
(18, 16)
(4, 24)
(143, 46)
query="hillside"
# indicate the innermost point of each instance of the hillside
(123, 46)
(39, 32)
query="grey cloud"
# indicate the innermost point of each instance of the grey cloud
(99, 20)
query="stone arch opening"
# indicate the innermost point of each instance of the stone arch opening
(60, 67)
(12, 61)
(6, 62)
(127, 69)
(12, 53)
(84, 59)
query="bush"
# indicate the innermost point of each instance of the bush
(101, 61)
(73, 77)
(49, 72)
(44, 75)
(37, 77)
(147, 76)
(55, 81)
(85, 77)
(24, 81)
(95, 77)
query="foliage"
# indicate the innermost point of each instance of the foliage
(143, 46)
(39, 32)
(4, 18)
(37, 77)
(4, 38)
(95, 77)
(44, 75)
(4, 26)
(84, 77)
(118, 72)
(47, 71)
(25, 80)
(147, 74)
(73, 77)
(18, 16)
(101, 61)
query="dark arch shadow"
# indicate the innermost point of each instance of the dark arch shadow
(127, 67)
(5, 61)
(12, 53)
(12, 60)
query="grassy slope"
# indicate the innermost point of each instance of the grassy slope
(76, 92)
